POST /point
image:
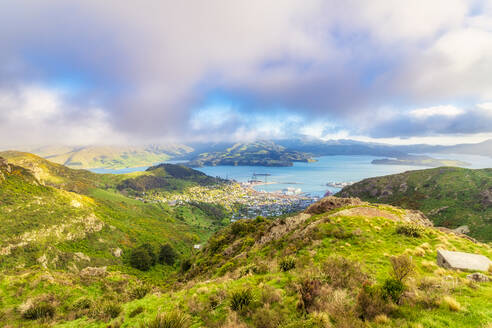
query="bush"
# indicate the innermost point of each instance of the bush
(452, 304)
(402, 266)
(410, 229)
(38, 311)
(185, 265)
(82, 304)
(308, 290)
(241, 299)
(341, 272)
(143, 257)
(112, 310)
(139, 292)
(136, 311)
(174, 319)
(393, 289)
(167, 255)
(371, 303)
(287, 264)
(267, 318)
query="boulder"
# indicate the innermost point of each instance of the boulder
(330, 203)
(94, 272)
(462, 261)
(462, 229)
(478, 277)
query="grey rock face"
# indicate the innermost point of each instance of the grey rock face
(462, 261)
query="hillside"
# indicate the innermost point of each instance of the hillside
(450, 197)
(331, 266)
(260, 153)
(110, 157)
(81, 243)
(99, 259)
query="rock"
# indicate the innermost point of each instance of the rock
(94, 271)
(117, 252)
(330, 203)
(462, 261)
(478, 277)
(487, 197)
(463, 229)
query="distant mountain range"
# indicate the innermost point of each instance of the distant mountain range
(260, 153)
(111, 157)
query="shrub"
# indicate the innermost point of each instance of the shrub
(341, 272)
(267, 318)
(287, 264)
(139, 309)
(393, 289)
(185, 265)
(308, 290)
(402, 266)
(167, 255)
(174, 319)
(38, 311)
(142, 257)
(410, 229)
(452, 304)
(112, 309)
(241, 299)
(139, 292)
(82, 304)
(370, 302)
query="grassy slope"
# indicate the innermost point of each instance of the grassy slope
(228, 263)
(48, 233)
(450, 197)
(113, 157)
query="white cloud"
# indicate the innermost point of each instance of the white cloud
(446, 110)
(36, 115)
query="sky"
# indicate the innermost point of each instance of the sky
(116, 72)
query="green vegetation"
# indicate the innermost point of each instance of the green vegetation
(68, 260)
(420, 160)
(260, 153)
(450, 197)
(111, 157)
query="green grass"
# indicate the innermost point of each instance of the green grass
(450, 197)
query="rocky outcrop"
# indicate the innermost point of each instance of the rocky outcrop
(462, 261)
(330, 203)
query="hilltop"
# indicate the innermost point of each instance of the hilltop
(450, 197)
(110, 157)
(260, 153)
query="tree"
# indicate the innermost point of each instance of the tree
(167, 255)
(402, 267)
(143, 257)
(140, 259)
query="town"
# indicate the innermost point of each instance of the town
(240, 200)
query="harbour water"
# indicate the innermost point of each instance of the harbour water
(312, 178)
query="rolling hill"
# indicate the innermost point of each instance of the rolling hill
(450, 197)
(97, 258)
(110, 157)
(259, 153)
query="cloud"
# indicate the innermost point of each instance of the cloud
(146, 71)
(36, 115)
(432, 122)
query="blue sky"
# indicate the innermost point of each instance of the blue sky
(108, 72)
